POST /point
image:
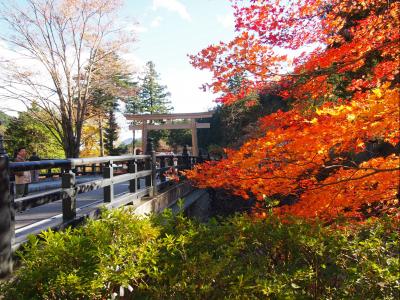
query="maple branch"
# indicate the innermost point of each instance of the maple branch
(354, 179)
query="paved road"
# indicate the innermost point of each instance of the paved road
(53, 209)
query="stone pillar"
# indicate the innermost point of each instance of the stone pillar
(132, 168)
(108, 191)
(144, 136)
(152, 180)
(133, 140)
(68, 183)
(195, 147)
(185, 158)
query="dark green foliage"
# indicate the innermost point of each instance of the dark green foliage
(121, 149)
(4, 118)
(85, 263)
(152, 97)
(232, 124)
(157, 136)
(173, 257)
(179, 137)
(27, 131)
(111, 132)
(4, 121)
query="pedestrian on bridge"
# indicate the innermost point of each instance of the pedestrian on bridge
(23, 178)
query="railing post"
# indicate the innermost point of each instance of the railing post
(108, 191)
(93, 169)
(185, 158)
(162, 165)
(49, 174)
(200, 158)
(140, 166)
(132, 168)
(6, 214)
(152, 180)
(68, 182)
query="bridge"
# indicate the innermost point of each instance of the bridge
(83, 187)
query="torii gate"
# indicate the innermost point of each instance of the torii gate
(190, 124)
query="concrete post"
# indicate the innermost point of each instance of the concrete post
(132, 168)
(153, 166)
(162, 165)
(68, 182)
(144, 137)
(133, 140)
(6, 224)
(108, 191)
(195, 147)
(185, 158)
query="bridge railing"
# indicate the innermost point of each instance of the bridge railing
(70, 188)
(115, 170)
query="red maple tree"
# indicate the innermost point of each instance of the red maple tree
(338, 62)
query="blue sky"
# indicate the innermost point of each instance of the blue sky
(167, 31)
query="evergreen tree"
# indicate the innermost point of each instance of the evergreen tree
(151, 98)
(111, 132)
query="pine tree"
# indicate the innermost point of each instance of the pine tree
(152, 97)
(111, 132)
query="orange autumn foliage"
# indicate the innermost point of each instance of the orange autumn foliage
(295, 150)
(275, 36)
(346, 98)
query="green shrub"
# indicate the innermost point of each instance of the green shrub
(87, 262)
(173, 257)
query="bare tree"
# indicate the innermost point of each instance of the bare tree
(60, 43)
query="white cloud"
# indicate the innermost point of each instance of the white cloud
(9, 60)
(139, 29)
(174, 6)
(227, 21)
(184, 85)
(156, 22)
(134, 27)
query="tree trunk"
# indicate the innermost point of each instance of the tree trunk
(71, 147)
(101, 137)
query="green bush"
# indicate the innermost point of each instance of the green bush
(87, 262)
(173, 257)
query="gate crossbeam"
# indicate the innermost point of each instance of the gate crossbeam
(140, 122)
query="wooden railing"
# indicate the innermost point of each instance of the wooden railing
(131, 168)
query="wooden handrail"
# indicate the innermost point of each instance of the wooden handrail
(138, 166)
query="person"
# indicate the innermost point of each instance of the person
(34, 173)
(23, 178)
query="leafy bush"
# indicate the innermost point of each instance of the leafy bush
(173, 257)
(87, 262)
